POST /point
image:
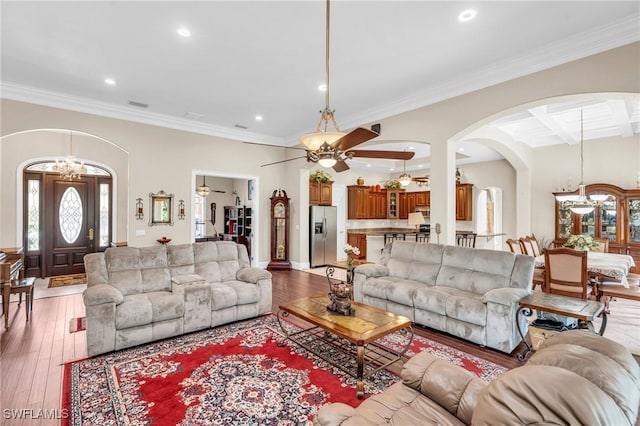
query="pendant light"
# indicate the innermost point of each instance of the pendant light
(404, 178)
(580, 204)
(68, 168)
(321, 139)
(203, 190)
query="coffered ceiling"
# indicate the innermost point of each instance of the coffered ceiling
(245, 59)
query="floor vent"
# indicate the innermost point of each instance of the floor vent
(138, 104)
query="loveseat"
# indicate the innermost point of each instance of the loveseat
(466, 292)
(137, 295)
(575, 378)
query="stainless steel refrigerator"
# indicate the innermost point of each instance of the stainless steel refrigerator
(323, 224)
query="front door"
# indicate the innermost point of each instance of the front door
(70, 223)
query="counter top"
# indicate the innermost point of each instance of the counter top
(382, 231)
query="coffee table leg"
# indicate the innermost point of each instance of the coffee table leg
(360, 373)
(527, 313)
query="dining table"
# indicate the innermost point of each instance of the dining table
(611, 265)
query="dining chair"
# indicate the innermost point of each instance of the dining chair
(466, 240)
(514, 246)
(422, 238)
(527, 247)
(566, 272)
(603, 245)
(393, 236)
(535, 246)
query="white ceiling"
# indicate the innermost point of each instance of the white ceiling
(267, 57)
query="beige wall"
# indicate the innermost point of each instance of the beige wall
(161, 158)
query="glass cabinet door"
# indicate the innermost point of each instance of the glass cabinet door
(565, 220)
(634, 220)
(588, 223)
(608, 219)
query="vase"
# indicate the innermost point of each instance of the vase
(340, 298)
(360, 181)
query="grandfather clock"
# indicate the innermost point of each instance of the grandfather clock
(279, 232)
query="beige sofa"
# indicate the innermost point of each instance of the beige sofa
(466, 292)
(576, 378)
(137, 295)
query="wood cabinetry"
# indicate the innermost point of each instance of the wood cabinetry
(616, 219)
(357, 202)
(402, 210)
(360, 241)
(423, 198)
(320, 193)
(377, 205)
(393, 203)
(464, 201)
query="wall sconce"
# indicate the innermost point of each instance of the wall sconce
(139, 209)
(181, 209)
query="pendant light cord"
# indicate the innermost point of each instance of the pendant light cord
(581, 149)
(326, 95)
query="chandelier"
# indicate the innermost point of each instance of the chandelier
(404, 178)
(203, 190)
(322, 139)
(580, 204)
(68, 168)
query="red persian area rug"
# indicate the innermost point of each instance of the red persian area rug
(240, 373)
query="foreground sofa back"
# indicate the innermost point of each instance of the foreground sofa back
(136, 295)
(470, 293)
(576, 378)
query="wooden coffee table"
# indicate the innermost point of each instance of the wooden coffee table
(584, 310)
(352, 336)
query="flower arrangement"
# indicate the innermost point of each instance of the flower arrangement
(393, 184)
(320, 176)
(351, 251)
(581, 242)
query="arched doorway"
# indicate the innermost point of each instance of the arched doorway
(64, 218)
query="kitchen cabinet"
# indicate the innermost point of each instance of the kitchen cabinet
(360, 241)
(423, 198)
(320, 193)
(377, 205)
(393, 203)
(464, 201)
(357, 202)
(402, 210)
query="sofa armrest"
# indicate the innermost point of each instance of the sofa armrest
(505, 296)
(99, 294)
(338, 413)
(252, 275)
(372, 270)
(452, 387)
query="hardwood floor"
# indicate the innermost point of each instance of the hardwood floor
(32, 354)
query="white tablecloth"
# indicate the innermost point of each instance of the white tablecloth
(612, 265)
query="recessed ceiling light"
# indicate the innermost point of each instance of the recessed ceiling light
(184, 32)
(467, 15)
(110, 81)
(391, 169)
(420, 166)
(258, 117)
(460, 149)
(322, 87)
(411, 148)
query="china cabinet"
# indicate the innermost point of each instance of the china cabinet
(617, 219)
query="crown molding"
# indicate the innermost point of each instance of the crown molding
(37, 96)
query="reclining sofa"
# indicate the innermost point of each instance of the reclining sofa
(469, 293)
(138, 295)
(575, 378)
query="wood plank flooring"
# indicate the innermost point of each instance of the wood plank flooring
(32, 354)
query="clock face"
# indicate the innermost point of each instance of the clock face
(278, 210)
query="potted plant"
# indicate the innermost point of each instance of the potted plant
(320, 176)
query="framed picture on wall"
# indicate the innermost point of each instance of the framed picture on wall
(250, 190)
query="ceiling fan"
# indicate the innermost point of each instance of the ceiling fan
(331, 149)
(203, 190)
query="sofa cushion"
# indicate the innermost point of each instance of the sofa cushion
(135, 270)
(135, 310)
(475, 270)
(467, 307)
(233, 293)
(417, 262)
(166, 305)
(218, 262)
(181, 259)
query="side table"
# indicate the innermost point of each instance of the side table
(19, 286)
(584, 310)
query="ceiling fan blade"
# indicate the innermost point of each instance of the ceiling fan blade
(276, 146)
(355, 137)
(282, 161)
(340, 166)
(391, 155)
